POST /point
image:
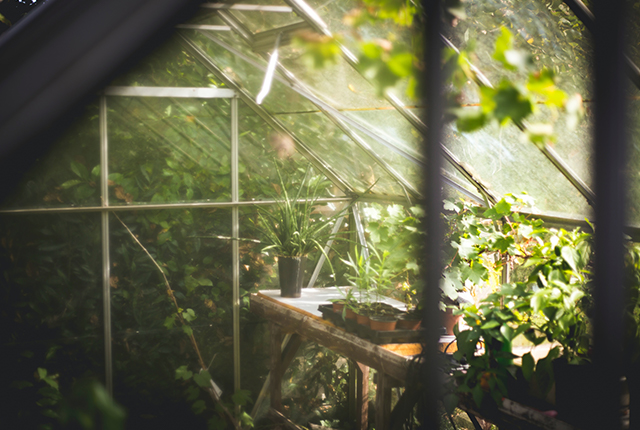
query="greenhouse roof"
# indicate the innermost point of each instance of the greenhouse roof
(336, 117)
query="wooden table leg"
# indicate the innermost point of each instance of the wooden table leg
(362, 421)
(383, 401)
(275, 390)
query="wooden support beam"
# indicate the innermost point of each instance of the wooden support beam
(276, 368)
(362, 396)
(331, 337)
(383, 401)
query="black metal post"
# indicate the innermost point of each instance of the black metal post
(433, 88)
(609, 210)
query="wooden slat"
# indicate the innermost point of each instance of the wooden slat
(362, 420)
(331, 337)
(276, 368)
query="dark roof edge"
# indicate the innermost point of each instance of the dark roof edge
(65, 50)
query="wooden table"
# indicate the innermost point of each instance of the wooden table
(301, 318)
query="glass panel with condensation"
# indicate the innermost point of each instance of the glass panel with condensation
(550, 32)
(167, 150)
(51, 313)
(632, 168)
(192, 253)
(508, 164)
(69, 173)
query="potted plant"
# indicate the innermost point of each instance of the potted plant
(371, 279)
(294, 228)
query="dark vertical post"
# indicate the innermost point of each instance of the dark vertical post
(609, 211)
(431, 263)
(276, 367)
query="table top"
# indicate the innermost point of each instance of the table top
(311, 298)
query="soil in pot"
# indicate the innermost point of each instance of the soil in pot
(383, 322)
(408, 321)
(291, 273)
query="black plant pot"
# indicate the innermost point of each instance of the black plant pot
(291, 272)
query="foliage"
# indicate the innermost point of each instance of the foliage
(482, 242)
(549, 306)
(295, 228)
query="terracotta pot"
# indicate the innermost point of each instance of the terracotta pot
(338, 307)
(362, 319)
(408, 322)
(350, 314)
(449, 320)
(382, 322)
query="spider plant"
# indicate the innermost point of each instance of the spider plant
(294, 228)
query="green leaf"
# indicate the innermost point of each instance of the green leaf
(80, 170)
(489, 325)
(478, 395)
(183, 373)
(169, 321)
(401, 64)
(189, 315)
(71, 183)
(241, 397)
(4, 20)
(511, 104)
(570, 255)
(527, 366)
(188, 330)
(203, 379)
(507, 332)
(468, 120)
(198, 407)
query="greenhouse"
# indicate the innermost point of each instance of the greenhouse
(165, 163)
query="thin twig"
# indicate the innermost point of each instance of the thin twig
(214, 397)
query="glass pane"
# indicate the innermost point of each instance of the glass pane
(261, 148)
(194, 249)
(68, 174)
(51, 312)
(508, 165)
(338, 84)
(549, 31)
(167, 66)
(341, 153)
(249, 77)
(168, 150)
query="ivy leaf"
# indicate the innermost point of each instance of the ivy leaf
(469, 120)
(198, 407)
(187, 330)
(71, 183)
(241, 397)
(510, 103)
(183, 373)
(203, 379)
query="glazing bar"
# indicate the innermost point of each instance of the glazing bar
(323, 257)
(360, 231)
(248, 7)
(235, 233)
(106, 258)
(204, 27)
(191, 93)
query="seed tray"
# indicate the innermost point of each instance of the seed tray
(365, 332)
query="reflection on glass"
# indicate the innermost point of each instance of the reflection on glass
(67, 175)
(281, 98)
(164, 150)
